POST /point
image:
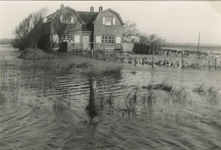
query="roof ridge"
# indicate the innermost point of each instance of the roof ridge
(88, 11)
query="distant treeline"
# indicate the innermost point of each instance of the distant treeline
(6, 41)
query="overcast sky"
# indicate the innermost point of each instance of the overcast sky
(174, 21)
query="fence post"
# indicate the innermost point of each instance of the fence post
(182, 64)
(86, 52)
(81, 49)
(209, 61)
(97, 53)
(152, 60)
(215, 62)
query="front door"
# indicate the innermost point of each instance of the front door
(86, 42)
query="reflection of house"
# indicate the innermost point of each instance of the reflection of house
(105, 28)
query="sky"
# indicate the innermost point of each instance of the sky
(175, 21)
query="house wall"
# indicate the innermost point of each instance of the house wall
(47, 29)
(78, 46)
(50, 32)
(101, 29)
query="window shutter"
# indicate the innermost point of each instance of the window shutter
(113, 21)
(103, 20)
(118, 40)
(98, 39)
(76, 39)
(72, 19)
(61, 19)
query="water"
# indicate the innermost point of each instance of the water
(196, 124)
(194, 48)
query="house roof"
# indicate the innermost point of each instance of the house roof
(84, 16)
(87, 17)
(114, 12)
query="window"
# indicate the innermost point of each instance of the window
(55, 38)
(108, 39)
(108, 21)
(67, 36)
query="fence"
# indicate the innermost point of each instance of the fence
(140, 48)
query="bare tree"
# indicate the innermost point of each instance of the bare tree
(64, 22)
(154, 41)
(28, 32)
(37, 26)
(130, 29)
(143, 38)
(21, 33)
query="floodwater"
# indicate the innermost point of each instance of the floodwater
(184, 120)
(194, 48)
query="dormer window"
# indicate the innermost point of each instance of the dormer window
(108, 21)
(64, 19)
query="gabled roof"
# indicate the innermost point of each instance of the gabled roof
(114, 12)
(87, 17)
(49, 17)
(83, 16)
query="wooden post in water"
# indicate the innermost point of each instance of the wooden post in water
(93, 87)
(91, 107)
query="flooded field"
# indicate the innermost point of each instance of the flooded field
(45, 106)
(194, 48)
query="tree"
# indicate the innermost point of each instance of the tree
(28, 32)
(143, 38)
(64, 22)
(37, 26)
(154, 41)
(130, 29)
(21, 33)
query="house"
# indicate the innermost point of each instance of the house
(96, 30)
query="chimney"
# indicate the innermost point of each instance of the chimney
(100, 8)
(62, 5)
(91, 9)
